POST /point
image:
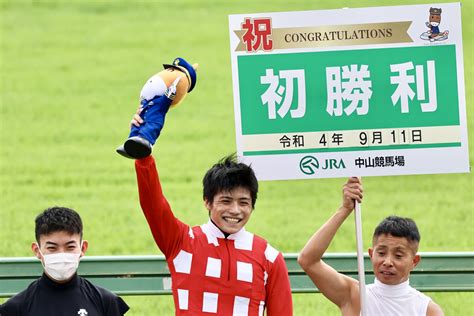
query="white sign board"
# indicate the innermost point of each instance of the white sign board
(350, 92)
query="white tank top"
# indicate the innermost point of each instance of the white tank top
(395, 300)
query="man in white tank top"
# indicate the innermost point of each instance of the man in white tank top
(393, 255)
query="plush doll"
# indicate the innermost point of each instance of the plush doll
(163, 90)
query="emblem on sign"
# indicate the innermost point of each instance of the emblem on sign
(309, 165)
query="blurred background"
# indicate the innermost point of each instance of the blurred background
(70, 77)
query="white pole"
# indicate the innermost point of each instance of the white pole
(360, 258)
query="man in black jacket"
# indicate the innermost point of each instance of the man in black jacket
(60, 291)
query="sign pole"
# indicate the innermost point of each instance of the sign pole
(360, 258)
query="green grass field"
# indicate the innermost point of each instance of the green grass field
(70, 76)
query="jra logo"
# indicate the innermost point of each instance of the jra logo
(309, 164)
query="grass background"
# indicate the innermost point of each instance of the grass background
(70, 76)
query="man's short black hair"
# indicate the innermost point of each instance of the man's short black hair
(56, 219)
(227, 175)
(398, 227)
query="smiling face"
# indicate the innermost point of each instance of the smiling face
(393, 258)
(230, 210)
(435, 19)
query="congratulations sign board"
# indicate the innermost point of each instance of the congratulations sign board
(372, 91)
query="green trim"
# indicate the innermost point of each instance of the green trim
(328, 150)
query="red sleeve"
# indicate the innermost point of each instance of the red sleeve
(279, 301)
(167, 230)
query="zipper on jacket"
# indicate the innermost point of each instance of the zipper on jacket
(228, 258)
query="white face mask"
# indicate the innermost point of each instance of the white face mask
(61, 266)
